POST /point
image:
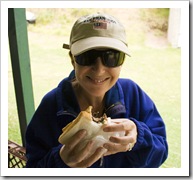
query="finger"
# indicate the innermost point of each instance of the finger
(109, 153)
(111, 149)
(118, 127)
(93, 158)
(121, 140)
(75, 139)
(114, 147)
(119, 120)
(82, 154)
(112, 128)
(111, 146)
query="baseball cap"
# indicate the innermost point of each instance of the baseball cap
(95, 31)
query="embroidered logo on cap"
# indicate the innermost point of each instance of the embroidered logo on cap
(100, 25)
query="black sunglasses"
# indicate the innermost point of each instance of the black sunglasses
(110, 58)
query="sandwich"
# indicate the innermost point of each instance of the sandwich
(94, 127)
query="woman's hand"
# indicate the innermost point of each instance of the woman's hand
(121, 144)
(74, 158)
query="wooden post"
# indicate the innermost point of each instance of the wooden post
(20, 60)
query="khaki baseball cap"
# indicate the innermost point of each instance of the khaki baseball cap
(97, 31)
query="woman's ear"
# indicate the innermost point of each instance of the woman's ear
(72, 58)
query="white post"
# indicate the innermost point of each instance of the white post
(174, 27)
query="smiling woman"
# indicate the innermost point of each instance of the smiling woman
(94, 81)
(98, 46)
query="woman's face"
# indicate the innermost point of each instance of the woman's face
(96, 79)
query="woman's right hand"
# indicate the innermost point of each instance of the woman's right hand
(74, 158)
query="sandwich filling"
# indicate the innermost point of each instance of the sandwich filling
(101, 120)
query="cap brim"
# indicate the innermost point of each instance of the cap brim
(98, 42)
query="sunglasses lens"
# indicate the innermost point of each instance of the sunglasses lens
(84, 59)
(113, 58)
(110, 58)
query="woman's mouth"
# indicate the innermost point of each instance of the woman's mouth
(97, 80)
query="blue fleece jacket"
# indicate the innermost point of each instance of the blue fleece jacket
(124, 100)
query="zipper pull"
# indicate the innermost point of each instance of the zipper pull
(101, 162)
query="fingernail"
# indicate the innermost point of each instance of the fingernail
(103, 150)
(83, 132)
(105, 146)
(91, 142)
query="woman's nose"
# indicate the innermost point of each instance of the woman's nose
(98, 65)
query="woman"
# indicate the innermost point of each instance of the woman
(97, 51)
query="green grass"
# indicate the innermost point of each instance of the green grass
(156, 70)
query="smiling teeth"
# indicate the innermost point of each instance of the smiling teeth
(99, 81)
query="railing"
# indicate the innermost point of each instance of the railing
(16, 155)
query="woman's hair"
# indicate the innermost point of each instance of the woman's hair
(72, 58)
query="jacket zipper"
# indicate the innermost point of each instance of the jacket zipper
(101, 162)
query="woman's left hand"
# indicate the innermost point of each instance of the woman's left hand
(121, 144)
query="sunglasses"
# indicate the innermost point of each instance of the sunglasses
(110, 58)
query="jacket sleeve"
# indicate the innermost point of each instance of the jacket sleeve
(151, 149)
(42, 147)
